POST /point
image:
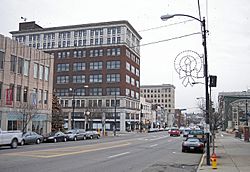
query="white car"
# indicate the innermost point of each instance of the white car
(11, 138)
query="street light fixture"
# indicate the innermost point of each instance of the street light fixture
(86, 115)
(203, 23)
(73, 108)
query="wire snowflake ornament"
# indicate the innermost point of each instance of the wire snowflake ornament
(189, 64)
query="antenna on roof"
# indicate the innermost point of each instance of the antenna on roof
(24, 19)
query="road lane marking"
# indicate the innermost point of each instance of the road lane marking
(153, 145)
(120, 154)
(40, 154)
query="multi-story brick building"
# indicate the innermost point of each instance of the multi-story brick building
(96, 65)
(26, 83)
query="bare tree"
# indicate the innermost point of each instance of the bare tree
(29, 112)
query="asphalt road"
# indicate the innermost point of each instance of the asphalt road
(141, 152)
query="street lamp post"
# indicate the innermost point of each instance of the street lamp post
(115, 115)
(86, 115)
(203, 23)
(73, 109)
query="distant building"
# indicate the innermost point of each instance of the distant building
(96, 71)
(162, 95)
(233, 107)
(26, 83)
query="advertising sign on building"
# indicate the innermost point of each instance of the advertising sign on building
(9, 97)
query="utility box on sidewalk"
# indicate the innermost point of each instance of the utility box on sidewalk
(246, 134)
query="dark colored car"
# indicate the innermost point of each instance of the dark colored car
(56, 137)
(76, 134)
(92, 135)
(198, 134)
(186, 132)
(174, 132)
(192, 144)
(31, 138)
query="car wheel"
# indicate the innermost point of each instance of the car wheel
(74, 138)
(91, 137)
(84, 138)
(98, 137)
(65, 139)
(14, 144)
(55, 140)
(38, 141)
(22, 142)
(183, 150)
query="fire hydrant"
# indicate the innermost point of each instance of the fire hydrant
(214, 161)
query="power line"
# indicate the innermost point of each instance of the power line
(159, 27)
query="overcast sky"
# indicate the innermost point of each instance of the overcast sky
(228, 39)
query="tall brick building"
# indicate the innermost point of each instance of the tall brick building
(96, 65)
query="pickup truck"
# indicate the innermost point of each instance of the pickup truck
(11, 138)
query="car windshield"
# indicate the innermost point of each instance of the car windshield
(71, 132)
(196, 132)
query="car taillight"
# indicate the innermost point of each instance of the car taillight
(200, 145)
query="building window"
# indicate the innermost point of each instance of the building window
(79, 66)
(113, 91)
(25, 94)
(62, 67)
(95, 78)
(1, 87)
(127, 79)
(20, 65)
(62, 79)
(80, 92)
(113, 78)
(26, 68)
(79, 79)
(1, 59)
(127, 66)
(127, 92)
(46, 74)
(18, 93)
(35, 70)
(40, 72)
(113, 64)
(95, 65)
(13, 60)
(95, 91)
(45, 98)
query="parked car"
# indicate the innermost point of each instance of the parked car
(76, 134)
(192, 144)
(10, 138)
(174, 132)
(32, 137)
(92, 135)
(56, 137)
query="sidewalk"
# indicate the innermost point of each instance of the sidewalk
(233, 155)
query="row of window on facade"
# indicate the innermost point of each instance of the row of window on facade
(22, 66)
(98, 65)
(89, 53)
(75, 43)
(155, 95)
(98, 103)
(96, 92)
(23, 94)
(156, 90)
(114, 31)
(97, 53)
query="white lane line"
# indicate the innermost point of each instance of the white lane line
(153, 145)
(124, 153)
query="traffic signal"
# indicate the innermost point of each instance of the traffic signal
(213, 80)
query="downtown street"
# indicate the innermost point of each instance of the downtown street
(133, 152)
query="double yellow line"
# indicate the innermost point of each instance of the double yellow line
(57, 152)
